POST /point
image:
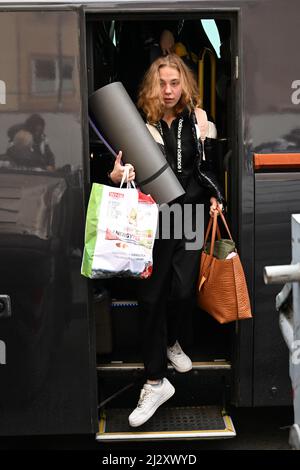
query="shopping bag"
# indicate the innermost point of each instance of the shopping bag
(120, 233)
(222, 289)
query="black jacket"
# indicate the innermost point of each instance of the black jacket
(201, 177)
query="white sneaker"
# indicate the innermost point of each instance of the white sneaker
(179, 360)
(150, 399)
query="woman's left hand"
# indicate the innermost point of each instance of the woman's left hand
(216, 206)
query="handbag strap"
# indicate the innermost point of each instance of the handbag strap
(225, 223)
(213, 225)
(126, 167)
(209, 226)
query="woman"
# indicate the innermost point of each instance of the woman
(169, 101)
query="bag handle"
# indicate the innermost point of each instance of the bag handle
(126, 167)
(213, 235)
(213, 225)
(125, 176)
(225, 223)
(209, 226)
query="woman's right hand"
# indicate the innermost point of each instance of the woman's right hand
(117, 173)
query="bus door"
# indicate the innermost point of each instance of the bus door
(47, 364)
(197, 410)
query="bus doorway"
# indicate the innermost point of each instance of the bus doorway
(121, 48)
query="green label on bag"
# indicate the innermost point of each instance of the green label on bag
(91, 225)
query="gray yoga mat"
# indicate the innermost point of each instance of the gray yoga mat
(119, 121)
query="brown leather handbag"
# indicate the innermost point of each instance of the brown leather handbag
(222, 289)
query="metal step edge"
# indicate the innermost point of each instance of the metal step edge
(121, 366)
(124, 303)
(226, 433)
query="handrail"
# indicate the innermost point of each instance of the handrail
(213, 66)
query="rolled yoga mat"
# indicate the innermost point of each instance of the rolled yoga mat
(118, 119)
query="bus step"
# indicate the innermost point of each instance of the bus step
(120, 366)
(194, 422)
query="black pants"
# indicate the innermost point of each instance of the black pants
(163, 298)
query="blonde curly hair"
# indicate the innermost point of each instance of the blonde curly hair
(150, 100)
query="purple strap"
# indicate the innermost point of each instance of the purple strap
(101, 137)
